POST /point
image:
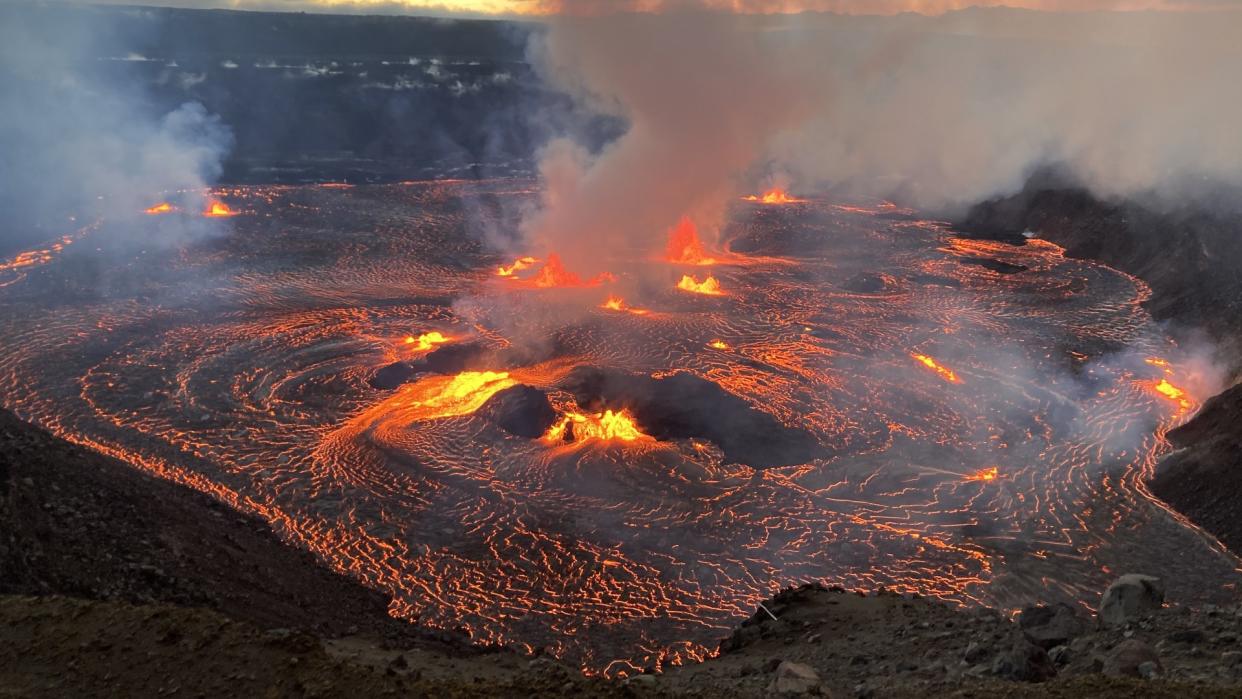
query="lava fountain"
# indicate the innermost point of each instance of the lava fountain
(708, 286)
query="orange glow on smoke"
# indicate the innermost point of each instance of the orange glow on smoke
(518, 265)
(718, 344)
(426, 341)
(605, 426)
(684, 246)
(616, 303)
(985, 474)
(775, 195)
(708, 286)
(160, 208)
(1172, 392)
(944, 372)
(218, 208)
(554, 274)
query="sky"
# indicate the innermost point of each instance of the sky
(529, 8)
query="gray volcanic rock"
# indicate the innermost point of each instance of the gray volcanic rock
(1052, 625)
(794, 678)
(1129, 657)
(521, 410)
(1130, 598)
(1024, 662)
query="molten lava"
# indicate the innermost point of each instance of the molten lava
(776, 195)
(708, 286)
(985, 474)
(616, 303)
(160, 208)
(718, 344)
(944, 372)
(605, 426)
(1173, 393)
(426, 341)
(217, 209)
(444, 396)
(518, 265)
(684, 246)
(554, 274)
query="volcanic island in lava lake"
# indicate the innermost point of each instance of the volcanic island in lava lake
(615, 468)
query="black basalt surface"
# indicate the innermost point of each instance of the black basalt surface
(685, 406)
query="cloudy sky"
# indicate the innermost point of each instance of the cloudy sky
(549, 7)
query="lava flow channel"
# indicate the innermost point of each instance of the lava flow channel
(624, 554)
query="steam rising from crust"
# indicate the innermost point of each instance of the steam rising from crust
(77, 142)
(936, 112)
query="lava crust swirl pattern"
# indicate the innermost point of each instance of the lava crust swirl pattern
(983, 429)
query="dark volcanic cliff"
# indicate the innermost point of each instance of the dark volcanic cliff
(1189, 256)
(1203, 478)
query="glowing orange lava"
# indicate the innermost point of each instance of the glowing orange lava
(944, 372)
(684, 246)
(776, 195)
(604, 426)
(518, 265)
(718, 344)
(986, 474)
(708, 286)
(160, 208)
(218, 208)
(426, 341)
(616, 303)
(444, 396)
(1172, 392)
(554, 274)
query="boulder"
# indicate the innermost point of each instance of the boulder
(1130, 598)
(1024, 662)
(390, 377)
(794, 678)
(1131, 658)
(1051, 626)
(520, 410)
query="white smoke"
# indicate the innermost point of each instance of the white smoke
(937, 111)
(77, 141)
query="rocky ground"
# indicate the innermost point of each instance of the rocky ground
(836, 643)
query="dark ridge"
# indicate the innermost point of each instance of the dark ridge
(994, 265)
(390, 377)
(458, 357)
(869, 283)
(683, 406)
(1203, 478)
(520, 410)
(1189, 255)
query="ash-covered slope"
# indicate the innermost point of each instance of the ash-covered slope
(1203, 478)
(81, 524)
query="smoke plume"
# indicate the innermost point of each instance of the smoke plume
(79, 143)
(937, 112)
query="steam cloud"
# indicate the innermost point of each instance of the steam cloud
(77, 142)
(937, 112)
